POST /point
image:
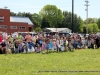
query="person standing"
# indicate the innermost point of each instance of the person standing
(28, 38)
(19, 37)
(1, 38)
(5, 39)
(4, 35)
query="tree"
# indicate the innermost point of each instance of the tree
(78, 22)
(93, 27)
(83, 28)
(12, 14)
(98, 22)
(52, 14)
(90, 20)
(90, 28)
(45, 23)
(36, 20)
(38, 29)
(67, 21)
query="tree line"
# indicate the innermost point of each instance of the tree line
(51, 16)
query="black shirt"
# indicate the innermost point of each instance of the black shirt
(16, 45)
(3, 44)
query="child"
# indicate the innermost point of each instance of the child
(16, 46)
(70, 44)
(7, 45)
(54, 45)
(58, 45)
(66, 44)
(47, 45)
(43, 45)
(38, 48)
(24, 48)
(19, 46)
(92, 43)
(11, 47)
(62, 44)
(50, 44)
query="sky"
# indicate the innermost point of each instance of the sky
(34, 6)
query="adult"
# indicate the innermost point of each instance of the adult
(1, 38)
(5, 35)
(3, 44)
(28, 37)
(19, 37)
(10, 38)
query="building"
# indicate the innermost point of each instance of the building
(60, 30)
(13, 23)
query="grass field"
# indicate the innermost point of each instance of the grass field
(65, 63)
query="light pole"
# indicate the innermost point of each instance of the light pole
(72, 14)
(86, 15)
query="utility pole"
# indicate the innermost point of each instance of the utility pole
(72, 14)
(86, 15)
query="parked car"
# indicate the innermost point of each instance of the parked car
(23, 34)
(66, 34)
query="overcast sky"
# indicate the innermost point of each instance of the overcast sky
(34, 6)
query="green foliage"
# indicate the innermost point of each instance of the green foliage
(12, 14)
(52, 15)
(83, 28)
(67, 21)
(31, 64)
(98, 22)
(90, 28)
(38, 29)
(45, 23)
(91, 20)
(37, 20)
(93, 27)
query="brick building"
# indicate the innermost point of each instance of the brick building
(13, 23)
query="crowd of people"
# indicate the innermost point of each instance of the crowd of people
(45, 44)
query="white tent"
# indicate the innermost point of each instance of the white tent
(67, 30)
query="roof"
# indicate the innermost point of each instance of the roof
(56, 29)
(20, 19)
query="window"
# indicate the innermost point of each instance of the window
(22, 27)
(13, 27)
(1, 18)
(3, 26)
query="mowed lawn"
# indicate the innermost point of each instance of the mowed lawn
(65, 63)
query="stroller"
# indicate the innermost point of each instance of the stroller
(30, 47)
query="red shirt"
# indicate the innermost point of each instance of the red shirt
(0, 38)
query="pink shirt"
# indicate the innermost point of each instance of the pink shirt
(43, 45)
(54, 45)
(28, 38)
(92, 41)
(5, 36)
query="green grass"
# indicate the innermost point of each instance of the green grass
(31, 64)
